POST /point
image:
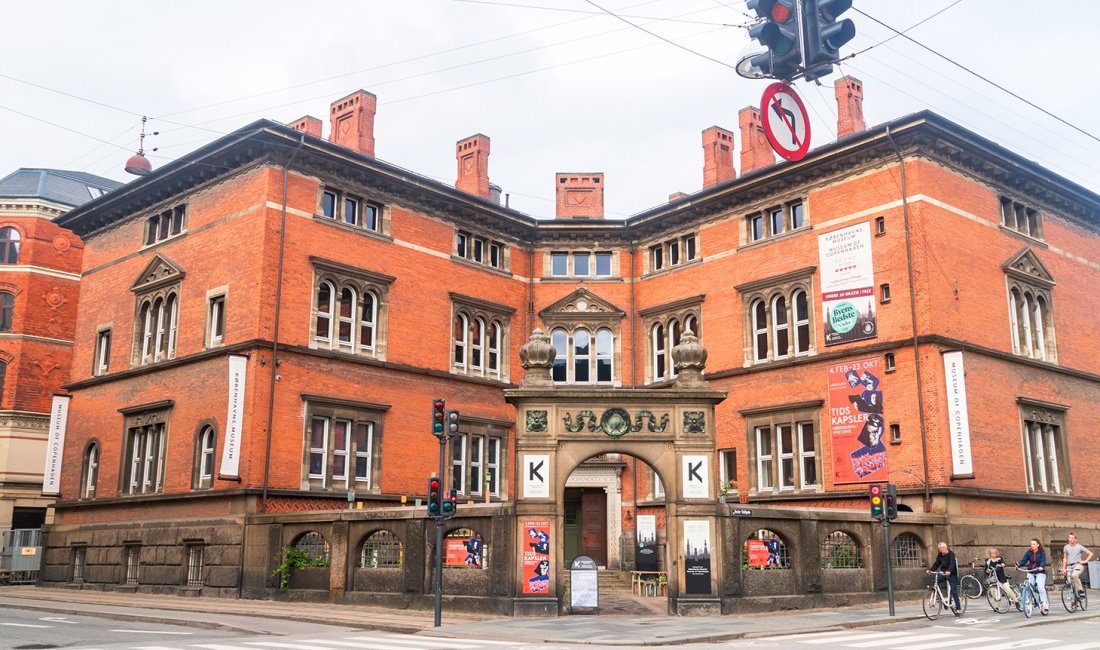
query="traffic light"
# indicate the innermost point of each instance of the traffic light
(451, 504)
(452, 423)
(891, 501)
(778, 33)
(434, 500)
(825, 35)
(438, 405)
(876, 501)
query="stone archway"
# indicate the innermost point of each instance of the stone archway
(671, 429)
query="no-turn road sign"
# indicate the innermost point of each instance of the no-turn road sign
(786, 123)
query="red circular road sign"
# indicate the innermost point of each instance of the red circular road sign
(786, 123)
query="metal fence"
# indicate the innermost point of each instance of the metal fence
(20, 555)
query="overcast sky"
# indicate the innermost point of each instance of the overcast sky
(558, 85)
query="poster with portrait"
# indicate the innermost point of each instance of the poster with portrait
(847, 284)
(535, 550)
(463, 550)
(758, 553)
(697, 556)
(856, 422)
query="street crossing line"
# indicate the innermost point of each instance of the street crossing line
(152, 647)
(25, 625)
(479, 642)
(1020, 643)
(943, 644)
(435, 641)
(803, 637)
(861, 636)
(345, 644)
(289, 646)
(215, 646)
(913, 636)
(1079, 646)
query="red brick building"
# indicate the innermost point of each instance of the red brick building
(339, 294)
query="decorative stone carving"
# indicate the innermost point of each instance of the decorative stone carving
(536, 421)
(695, 422)
(537, 358)
(567, 422)
(615, 422)
(61, 243)
(653, 426)
(689, 357)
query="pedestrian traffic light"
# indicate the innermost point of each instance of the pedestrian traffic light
(438, 405)
(876, 501)
(825, 35)
(450, 504)
(779, 33)
(434, 500)
(452, 423)
(891, 501)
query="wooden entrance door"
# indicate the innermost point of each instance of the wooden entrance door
(594, 525)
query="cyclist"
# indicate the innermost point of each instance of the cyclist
(995, 565)
(1076, 556)
(1035, 561)
(947, 563)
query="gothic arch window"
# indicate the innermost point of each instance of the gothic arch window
(666, 325)
(156, 314)
(205, 447)
(479, 337)
(9, 245)
(1030, 306)
(7, 310)
(778, 317)
(349, 309)
(90, 474)
(585, 331)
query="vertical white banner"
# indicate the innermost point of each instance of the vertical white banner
(961, 462)
(231, 452)
(55, 445)
(696, 476)
(536, 476)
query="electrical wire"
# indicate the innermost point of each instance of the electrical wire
(590, 13)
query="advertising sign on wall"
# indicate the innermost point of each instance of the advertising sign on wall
(856, 422)
(463, 551)
(697, 556)
(231, 452)
(962, 464)
(695, 473)
(536, 476)
(646, 556)
(535, 549)
(55, 445)
(847, 284)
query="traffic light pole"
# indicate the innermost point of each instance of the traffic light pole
(889, 563)
(438, 569)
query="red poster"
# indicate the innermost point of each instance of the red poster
(463, 551)
(758, 552)
(856, 422)
(535, 549)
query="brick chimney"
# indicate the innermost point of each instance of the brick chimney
(755, 150)
(473, 165)
(849, 106)
(352, 121)
(579, 196)
(309, 125)
(676, 196)
(717, 156)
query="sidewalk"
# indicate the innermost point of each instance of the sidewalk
(269, 617)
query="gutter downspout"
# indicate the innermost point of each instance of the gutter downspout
(633, 334)
(275, 334)
(913, 320)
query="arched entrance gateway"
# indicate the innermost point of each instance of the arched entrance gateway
(558, 428)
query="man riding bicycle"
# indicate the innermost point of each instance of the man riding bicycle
(1075, 556)
(947, 563)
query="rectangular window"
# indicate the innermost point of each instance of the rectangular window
(785, 450)
(318, 448)
(807, 454)
(496, 255)
(658, 486)
(1021, 218)
(102, 352)
(689, 247)
(776, 221)
(462, 245)
(479, 250)
(1045, 449)
(727, 468)
(475, 462)
(580, 264)
(657, 257)
(559, 265)
(764, 458)
(216, 319)
(194, 565)
(880, 225)
(363, 433)
(328, 204)
(163, 225)
(350, 210)
(458, 464)
(756, 225)
(144, 469)
(79, 555)
(798, 215)
(477, 444)
(132, 558)
(340, 431)
(603, 265)
(785, 435)
(341, 444)
(492, 465)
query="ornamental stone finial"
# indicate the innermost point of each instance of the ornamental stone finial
(537, 358)
(689, 357)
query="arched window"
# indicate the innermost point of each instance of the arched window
(840, 551)
(780, 328)
(7, 310)
(158, 328)
(582, 346)
(312, 544)
(764, 549)
(325, 312)
(659, 367)
(346, 317)
(675, 333)
(146, 319)
(461, 339)
(368, 318)
(496, 335)
(91, 471)
(907, 551)
(760, 331)
(477, 344)
(801, 322)
(9, 245)
(205, 444)
(381, 550)
(559, 339)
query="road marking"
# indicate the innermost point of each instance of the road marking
(480, 642)
(352, 644)
(213, 646)
(152, 647)
(290, 646)
(58, 619)
(862, 636)
(1079, 646)
(879, 641)
(154, 632)
(25, 625)
(1019, 643)
(944, 644)
(450, 643)
(803, 637)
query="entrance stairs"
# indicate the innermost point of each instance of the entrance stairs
(616, 597)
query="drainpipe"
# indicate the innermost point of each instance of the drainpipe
(275, 334)
(633, 348)
(913, 320)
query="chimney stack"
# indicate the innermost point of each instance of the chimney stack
(676, 196)
(473, 165)
(352, 121)
(579, 196)
(849, 106)
(717, 156)
(309, 125)
(756, 152)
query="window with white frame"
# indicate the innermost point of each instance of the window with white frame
(673, 252)
(583, 356)
(665, 326)
(90, 474)
(480, 250)
(1021, 218)
(477, 454)
(205, 446)
(727, 470)
(479, 337)
(774, 221)
(349, 309)
(350, 210)
(1030, 306)
(778, 317)
(343, 443)
(215, 321)
(581, 264)
(156, 312)
(784, 444)
(102, 358)
(658, 491)
(1045, 453)
(144, 448)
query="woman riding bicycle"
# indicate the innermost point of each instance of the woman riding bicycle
(1034, 562)
(995, 566)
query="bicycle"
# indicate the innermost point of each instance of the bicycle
(1072, 600)
(969, 585)
(937, 600)
(1000, 598)
(1029, 594)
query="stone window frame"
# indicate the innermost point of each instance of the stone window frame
(841, 550)
(672, 252)
(217, 300)
(908, 550)
(356, 414)
(761, 225)
(78, 563)
(363, 206)
(665, 317)
(381, 549)
(1042, 427)
(10, 245)
(131, 563)
(570, 255)
(165, 224)
(579, 310)
(1020, 218)
(804, 420)
(468, 314)
(101, 361)
(481, 250)
(759, 302)
(157, 294)
(1030, 291)
(360, 282)
(200, 478)
(89, 469)
(462, 462)
(148, 425)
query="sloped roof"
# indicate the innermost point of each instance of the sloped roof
(57, 185)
